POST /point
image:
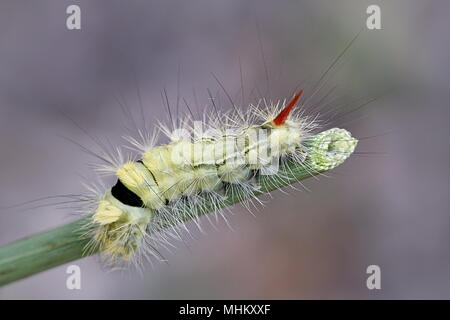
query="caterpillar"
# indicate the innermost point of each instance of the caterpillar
(197, 170)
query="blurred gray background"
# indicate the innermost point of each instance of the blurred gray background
(388, 205)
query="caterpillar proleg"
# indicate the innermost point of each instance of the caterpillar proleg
(199, 169)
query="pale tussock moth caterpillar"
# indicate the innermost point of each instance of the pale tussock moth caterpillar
(198, 170)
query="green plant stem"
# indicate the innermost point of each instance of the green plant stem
(40, 252)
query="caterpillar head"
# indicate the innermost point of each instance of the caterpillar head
(119, 229)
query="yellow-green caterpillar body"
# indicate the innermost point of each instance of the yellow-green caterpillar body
(155, 191)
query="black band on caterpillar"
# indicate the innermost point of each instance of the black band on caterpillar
(125, 195)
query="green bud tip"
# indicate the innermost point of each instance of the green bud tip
(330, 148)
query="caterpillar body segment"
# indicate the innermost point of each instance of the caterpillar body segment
(187, 177)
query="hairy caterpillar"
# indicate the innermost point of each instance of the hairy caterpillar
(198, 170)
